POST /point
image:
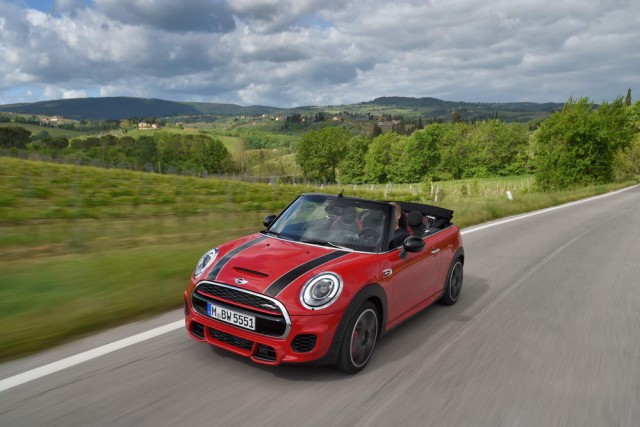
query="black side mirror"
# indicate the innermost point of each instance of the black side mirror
(268, 220)
(413, 244)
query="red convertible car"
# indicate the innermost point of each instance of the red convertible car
(324, 280)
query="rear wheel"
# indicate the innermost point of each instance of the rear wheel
(359, 340)
(453, 286)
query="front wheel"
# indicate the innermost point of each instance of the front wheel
(359, 340)
(453, 286)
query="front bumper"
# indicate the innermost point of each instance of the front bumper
(308, 339)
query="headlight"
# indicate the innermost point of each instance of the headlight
(321, 290)
(205, 261)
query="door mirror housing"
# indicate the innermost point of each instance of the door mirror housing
(268, 220)
(413, 244)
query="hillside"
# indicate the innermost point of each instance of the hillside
(428, 108)
(125, 108)
(433, 108)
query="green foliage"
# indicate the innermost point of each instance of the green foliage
(421, 156)
(451, 139)
(379, 158)
(14, 137)
(576, 146)
(192, 153)
(56, 143)
(319, 153)
(256, 139)
(351, 167)
(626, 161)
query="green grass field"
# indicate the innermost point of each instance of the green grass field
(83, 248)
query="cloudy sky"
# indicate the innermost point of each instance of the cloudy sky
(319, 52)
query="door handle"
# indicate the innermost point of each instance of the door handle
(435, 251)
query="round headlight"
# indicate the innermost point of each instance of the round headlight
(205, 261)
(320, 291)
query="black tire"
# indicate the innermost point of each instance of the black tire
(359, 339)
(453, 285)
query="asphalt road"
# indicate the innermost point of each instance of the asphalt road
(547, 333)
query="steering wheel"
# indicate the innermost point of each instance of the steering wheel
(369, 236)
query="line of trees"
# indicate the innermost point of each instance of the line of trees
(162, 152)
(579, 145)
(439, 151)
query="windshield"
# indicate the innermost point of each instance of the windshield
(335, 222)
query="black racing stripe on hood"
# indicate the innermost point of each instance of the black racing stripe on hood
(213, 274)
(286, 279)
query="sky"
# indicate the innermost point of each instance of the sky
(289, 53)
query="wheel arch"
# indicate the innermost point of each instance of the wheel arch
(372, 292)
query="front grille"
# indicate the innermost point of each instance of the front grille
(273, 324)
(303, 343)
(266, 353)
(197, 329)
(231, 339)
(240, 297)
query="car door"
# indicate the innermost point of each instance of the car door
(413, 276)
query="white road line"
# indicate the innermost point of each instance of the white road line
(68, 362)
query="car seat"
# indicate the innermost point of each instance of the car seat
(416, 224)
(348, 221)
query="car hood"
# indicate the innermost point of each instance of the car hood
(268, 265)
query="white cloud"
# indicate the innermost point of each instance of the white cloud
(69, 94)
(302, 52)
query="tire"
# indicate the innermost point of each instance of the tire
(359, 339)
(453, 285)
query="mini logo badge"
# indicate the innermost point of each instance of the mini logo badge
(241, 281)
(269, 306)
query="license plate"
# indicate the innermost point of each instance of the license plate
(230, 316)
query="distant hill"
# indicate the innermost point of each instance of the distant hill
(434, 102)
(437, 108)
(127, 107)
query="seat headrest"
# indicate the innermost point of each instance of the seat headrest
(349, 214)
(414, 218)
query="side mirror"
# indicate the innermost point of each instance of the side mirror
(413, 244)
(268, 220)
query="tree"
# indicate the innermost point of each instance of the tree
(376, 130)
(627, 99)
(378, 160)
(56, 143)
(14, 136)
(145, 151)
(454, 153)
(216, 156)
(351, 167)
(420, 157)
(577, 145)
(320, 151)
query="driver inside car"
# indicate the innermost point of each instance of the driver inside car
(400, 233)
